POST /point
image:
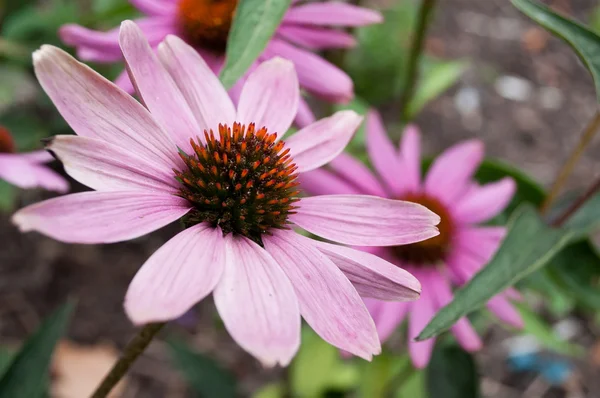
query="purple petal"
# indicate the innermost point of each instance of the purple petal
(504, 310)
(389, 317)
(155, 7)
(410, 159)
(365, 220)
(332, 14)
(314, 38)
(177, 276)
(156, 88)
(421, 312)
(101, 217)
(372, 276)
(23, 171)
(323, 182)
(483, 203)
(322, 141)
(481, 242)
(358, 174)
(106, 167)
(383, 155)
(95, 107)
(305, 115)
(328, 301)
(257, 303)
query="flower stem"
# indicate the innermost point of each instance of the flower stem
(133, 350)
(410, 80)
(567, 169)
(560, 220)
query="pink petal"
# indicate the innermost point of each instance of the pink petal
(410, 159)
(463, 265)
(485, 202)
(390, 316)
(39, 156)
(156, 88)
(365, 220)
(177, 276)
(504, 310)
(481, 242)
(155, 7)
(106, 167)
(463, 331)
(332, 13)
(305, 116)
(20, 170)
(314, 38)
(421, 312)
(383, 155)
(124, 82)
(257, 303)
(101, 217)
(315, 74)
(452, 171)
(95, 107)
(270, 96)
(372, 276)
(203, 91)
(356, 172)
(322, 141)
(328, 301)
(322, 182)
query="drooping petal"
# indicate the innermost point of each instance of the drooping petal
(156, 88)
(410, 159)
(463, 265)
(356, 172)
(320, 142)
(124, 82)
(383, 155)
(371, 275)
(483, 203)
(101, 217)
(257, 303)
(389, 317)
(106, 167)
(95, 107)
(481, 242)
(314, 38)
(24, 172)
(305, 115)
(323, 182)
(504, 310)
(49, 179)
(315, 74)
(177, 276)
(451, 172)
(270, 96)
(362, 220)
(463, 331)
(203, 91)
(332, 14)
(155, 7)
(421, 312)
(328, 301)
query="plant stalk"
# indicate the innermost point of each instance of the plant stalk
(567, 169)
(593, 190)
(133, 350)
(410, 80)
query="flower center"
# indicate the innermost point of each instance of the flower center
(430, 251)
(243, 181)
(7, 144)
(206, 23)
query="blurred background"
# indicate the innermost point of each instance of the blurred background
(488, 73)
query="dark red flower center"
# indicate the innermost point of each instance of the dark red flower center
(206, 23)
(7, 144)
(242, 181)
(430, 251)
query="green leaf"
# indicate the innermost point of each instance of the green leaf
(379, 376)
(253, 25)
(6, 358)
(26, 375)
(595, 19)
(537, 327)
(436, 79)
(205, 377)
(585, 42)
(452, 373)
(586, 219)
(413, 386)
(274, 390)
(529, 245)
(8, 196)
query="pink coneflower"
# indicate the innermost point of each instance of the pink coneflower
(190, 154)
(27, 170)
(204, 24)
(456, 254)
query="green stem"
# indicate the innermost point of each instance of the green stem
(560, 220)
(567, 169)
(410, 80)
(133, 350)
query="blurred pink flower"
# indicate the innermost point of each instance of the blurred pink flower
(204, 24)
(456, 254)
(26, 170)
(235, 192)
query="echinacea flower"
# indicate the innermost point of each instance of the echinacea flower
(460, 250)
(190, 155)
(27, 170)
(205, 24)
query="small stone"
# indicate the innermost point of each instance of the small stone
(550, 98)
(535, 39)
(467, 100)
(514, 88)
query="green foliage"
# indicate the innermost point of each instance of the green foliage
(254, 24)
(379, 378)
(585, 42)
(452, 373)
(586, 219)
(27, 374)
(204, 375)
(529, 245)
